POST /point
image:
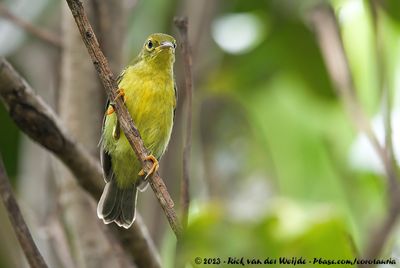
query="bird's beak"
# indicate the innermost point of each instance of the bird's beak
(167, 45)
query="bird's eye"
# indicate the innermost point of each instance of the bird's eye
(150, 45)
(174, 44)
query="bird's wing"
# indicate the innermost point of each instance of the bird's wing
(120, 76)
(105, 158)
(176, 98)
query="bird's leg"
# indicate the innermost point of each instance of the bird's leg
(120, 92)
(153, 169)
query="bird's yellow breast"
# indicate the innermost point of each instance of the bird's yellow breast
(151, 102)
(150, 99)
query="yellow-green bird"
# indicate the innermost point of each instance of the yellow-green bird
(149, 92)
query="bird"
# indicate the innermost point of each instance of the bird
(148, 89)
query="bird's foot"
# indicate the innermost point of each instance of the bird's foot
(120, 93)
(110, 110)
(153, 169)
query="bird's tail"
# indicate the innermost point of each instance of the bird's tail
(117, 204)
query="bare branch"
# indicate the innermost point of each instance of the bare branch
(33, 116)
(127, 125)
(30, 28)
(182, 25)
(25, 239)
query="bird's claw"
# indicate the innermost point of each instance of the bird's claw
(154, 167)
(110, 110)
(120, 93)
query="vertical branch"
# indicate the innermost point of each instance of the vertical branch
(182, 25)
(33, 255)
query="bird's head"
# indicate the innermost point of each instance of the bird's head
(159, 48)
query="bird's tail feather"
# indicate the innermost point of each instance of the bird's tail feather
(117, 204)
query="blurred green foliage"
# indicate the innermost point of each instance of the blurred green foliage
(296, 121)
(288, 231)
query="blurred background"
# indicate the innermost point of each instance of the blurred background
(278, 167)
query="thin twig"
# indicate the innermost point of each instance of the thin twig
(30, 28)
(182, 25)
(34, 117)
(25, 239)
(329, 38)
(126, 122)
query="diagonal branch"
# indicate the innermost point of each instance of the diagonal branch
(182, 25)
(34, 117)
(126, 122)
(25, 239)
(30, 28)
